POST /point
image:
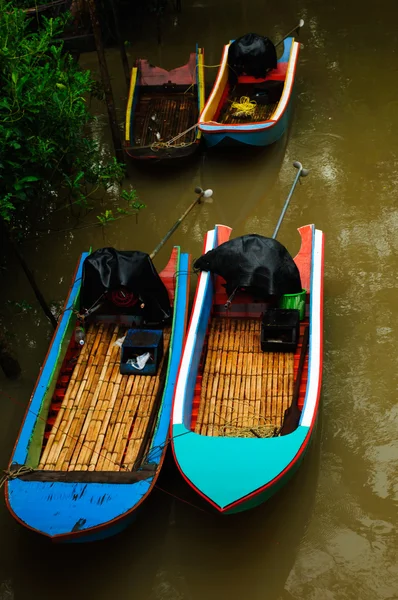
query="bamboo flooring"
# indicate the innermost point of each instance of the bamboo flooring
(263, 112)
(166, 114)
(245, 391)
(104, 415)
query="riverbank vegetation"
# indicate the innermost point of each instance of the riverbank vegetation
(47, 157)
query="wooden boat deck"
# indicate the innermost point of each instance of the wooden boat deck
(244, 391)
(173, 112)
(104, 416)
(263, 112)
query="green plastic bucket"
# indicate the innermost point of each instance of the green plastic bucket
(295, 301)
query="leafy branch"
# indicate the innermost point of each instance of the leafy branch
(45, 151)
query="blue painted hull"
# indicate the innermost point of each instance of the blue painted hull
(259, 138)
(88, 511)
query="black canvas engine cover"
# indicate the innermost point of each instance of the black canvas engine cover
(108, 270)
(260, 265)
(252, 55)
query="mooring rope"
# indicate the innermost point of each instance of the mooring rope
(14, 473)
(171, 143)
(231, 428)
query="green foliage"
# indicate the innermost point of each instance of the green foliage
(44, 154)
(133, 206)
(106, 217)
(131, 199)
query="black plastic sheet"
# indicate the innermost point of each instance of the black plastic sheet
(252, 55)
(261, 266)
(109, 270)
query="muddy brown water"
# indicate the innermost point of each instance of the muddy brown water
(331, 533)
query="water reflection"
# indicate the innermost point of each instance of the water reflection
(249, 554)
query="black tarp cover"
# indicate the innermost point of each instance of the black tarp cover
(259, 264)
(107, 270)
(251, 54)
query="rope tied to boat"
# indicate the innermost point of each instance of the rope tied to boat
(244, 108)
(9, 474)
(171, 143)
(159, 145)
(265, 429)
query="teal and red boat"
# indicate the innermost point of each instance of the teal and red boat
(224, 121)
(248, 389)
(95, 432)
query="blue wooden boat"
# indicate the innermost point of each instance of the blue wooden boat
(163, 109)
(93, 439)
(220, 125)
(244, 415)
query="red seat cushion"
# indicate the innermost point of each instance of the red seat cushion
(278, 74)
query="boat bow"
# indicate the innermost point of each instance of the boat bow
(219, 468)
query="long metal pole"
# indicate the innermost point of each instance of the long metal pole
(178, 223)
(301, 173)
(297, 29)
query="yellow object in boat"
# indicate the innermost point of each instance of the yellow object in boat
(244, 108)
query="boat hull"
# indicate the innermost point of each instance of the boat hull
(231, 473)
(85, 506)
(220, 131)
(163, 109)
(254, 138)
(274, 488)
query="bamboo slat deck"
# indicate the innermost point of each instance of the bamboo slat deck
(263, 112)
(167, 115)
(104, 415)
(245, 391)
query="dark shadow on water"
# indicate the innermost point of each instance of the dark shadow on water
(162, 168)
(176, 548)
(248, 555)
(124, 564)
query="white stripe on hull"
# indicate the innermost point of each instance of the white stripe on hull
(179, 399)
(315, 350)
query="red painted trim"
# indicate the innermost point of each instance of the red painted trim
(303, 257)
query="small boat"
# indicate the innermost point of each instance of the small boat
(248, 389)
(249, 110)
(163, 110)
(95, 432)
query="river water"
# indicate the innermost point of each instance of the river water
(331, 533)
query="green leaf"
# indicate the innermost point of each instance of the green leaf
(29, 179)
